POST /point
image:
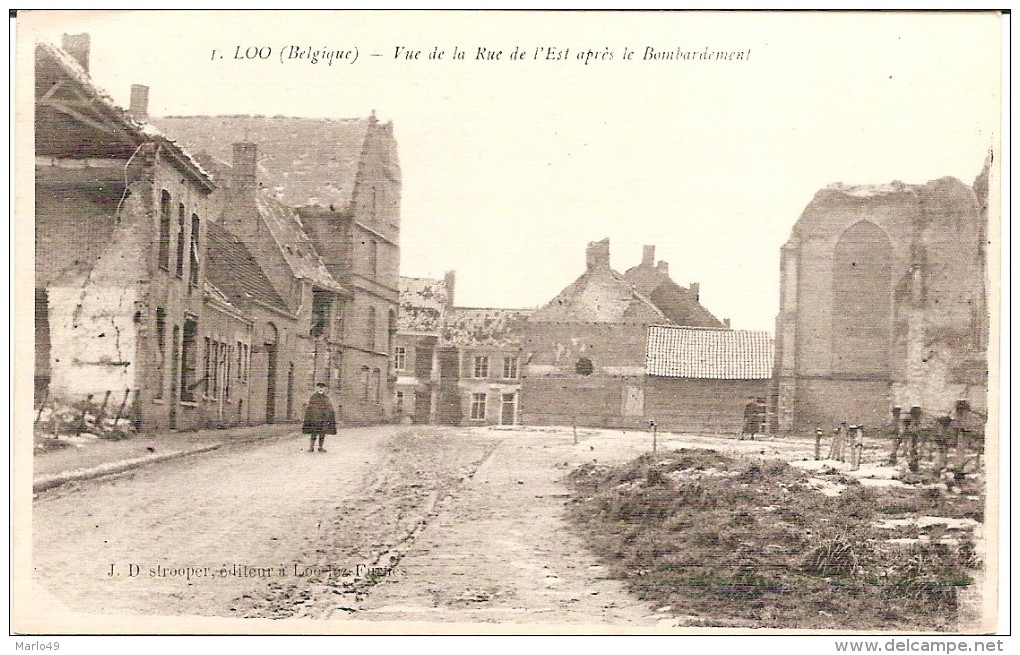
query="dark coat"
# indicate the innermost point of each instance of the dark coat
(319, 416)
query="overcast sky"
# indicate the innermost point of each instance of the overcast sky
(511, 167)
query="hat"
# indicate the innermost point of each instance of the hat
(320, 384)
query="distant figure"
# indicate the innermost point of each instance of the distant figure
(750, 419)
(320, 419)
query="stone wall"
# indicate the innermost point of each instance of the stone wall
(882, 303)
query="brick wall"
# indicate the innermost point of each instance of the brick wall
(882, 303)
(700, 406)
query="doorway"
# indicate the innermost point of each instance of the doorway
(508, 409)
(271, 356)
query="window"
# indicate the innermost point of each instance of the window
(225, 367)
(584, 366)
(338, 367)
(481, 369)
(189, 360)
(376, 386)
(207, 377)
(321, 307)
(509, 368)
(373, 258)
(181, 241)
(370, 329)
(240, 362)
(164, 231)
(364, 380)
(478, 406)
(193, 279)
(399, 358)
(338, 320)
(161, 345)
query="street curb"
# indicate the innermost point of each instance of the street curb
(42, 483)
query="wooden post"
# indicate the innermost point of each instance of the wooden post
(897, 432)
(573, 422)
(127, 393)
(818, 444)
(84, 411)
(101, 414)
(42, 405)
(915, 425)
(655, 435)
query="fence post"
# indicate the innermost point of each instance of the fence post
(84, 411)
(897, 438)
(818, 444)
(655, 435)
(915, 422)
(573, 422)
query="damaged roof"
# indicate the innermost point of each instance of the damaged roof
(422, 302)
(100, 101)
(234, 272)
(491, 327)
(600, 296)
(299, 251)
(708, 353)
(302, 161)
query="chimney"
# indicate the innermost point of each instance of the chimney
(726, 323)
(449, 280)
(696, 291)
(244, 183)
(648, 257)
(77, 45)
(663, 268)
(245, 165)
(139, 107)
(597, 255)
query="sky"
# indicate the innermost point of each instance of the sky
(511, 166)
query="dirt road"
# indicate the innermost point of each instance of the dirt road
(393, 523)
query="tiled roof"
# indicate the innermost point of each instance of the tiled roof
(472, 327)
(422, 301)
(707, 353)
(299, 251)
(302, 161)
(233, 271)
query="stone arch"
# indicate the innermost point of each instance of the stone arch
(862, 301)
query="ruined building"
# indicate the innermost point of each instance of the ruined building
(456, 365)
(616, 350)
(883, 303)
(317, 202)
(191, 292)
(121, 217)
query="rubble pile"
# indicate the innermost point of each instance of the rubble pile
(60, 424)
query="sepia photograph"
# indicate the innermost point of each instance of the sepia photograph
(509, 322)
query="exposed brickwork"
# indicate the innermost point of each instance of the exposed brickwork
(882, 303)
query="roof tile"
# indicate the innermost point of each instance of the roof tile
(709, 353)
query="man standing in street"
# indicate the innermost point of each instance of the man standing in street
(320, 419)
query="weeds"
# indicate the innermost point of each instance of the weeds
(740, 541)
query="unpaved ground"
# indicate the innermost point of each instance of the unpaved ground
(460, 525)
